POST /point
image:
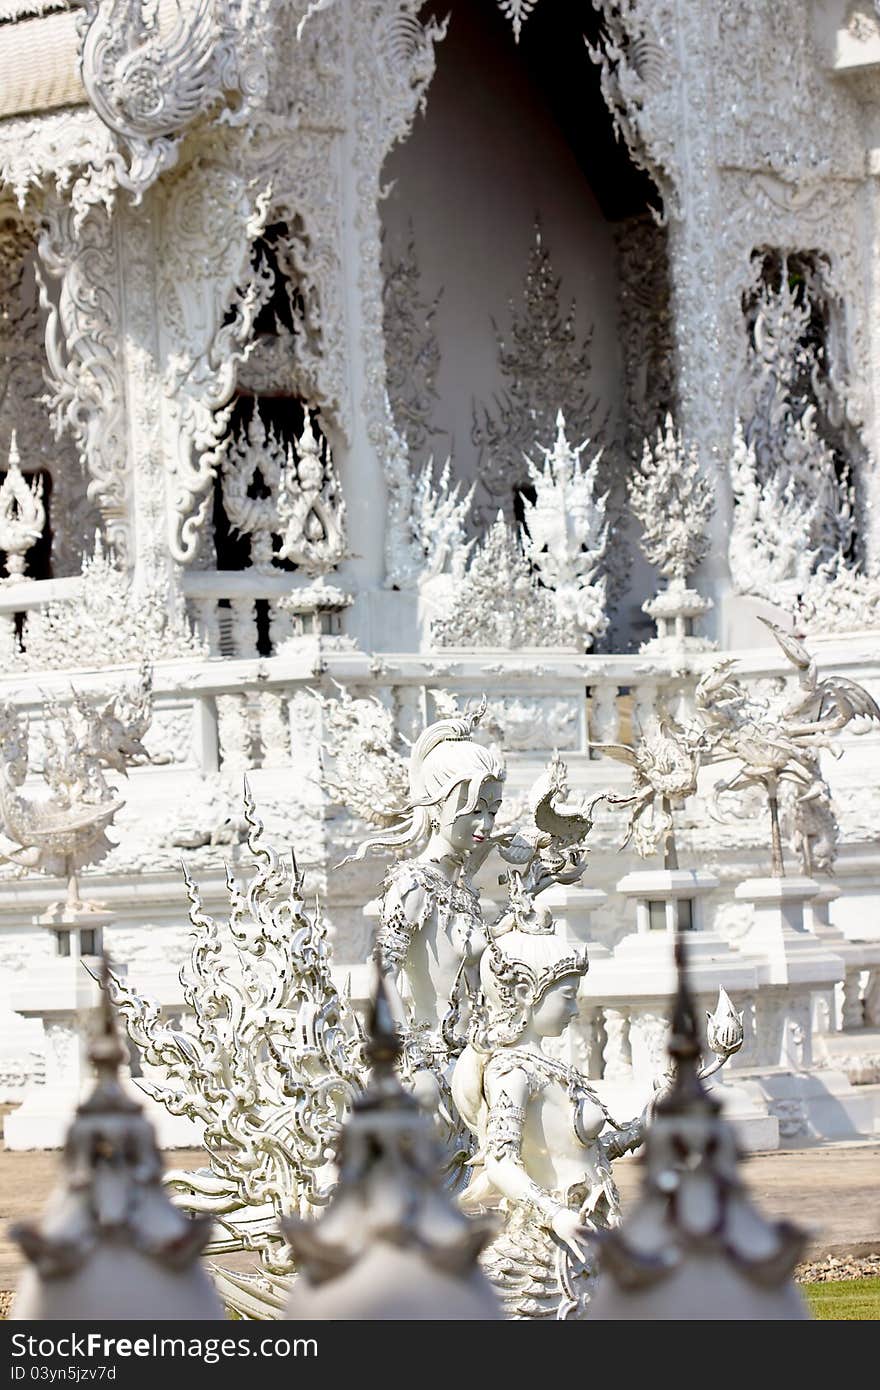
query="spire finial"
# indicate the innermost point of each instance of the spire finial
(107, 1054)
(687, 1091)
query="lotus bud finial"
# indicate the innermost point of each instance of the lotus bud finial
(724, 1028)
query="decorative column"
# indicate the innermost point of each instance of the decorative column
(64, 996)
(793, 964)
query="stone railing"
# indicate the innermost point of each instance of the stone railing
(239, 709)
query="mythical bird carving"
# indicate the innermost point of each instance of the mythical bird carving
(149, 69)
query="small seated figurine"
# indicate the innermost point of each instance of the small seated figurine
(545, 1147)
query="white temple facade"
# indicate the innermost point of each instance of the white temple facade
(264, 267)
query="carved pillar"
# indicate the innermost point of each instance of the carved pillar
(234, 733)
(139, 250)
(604, 713)
(274, 729)
(78, 265)
(385, 81)
(872, 318)
(645, 704)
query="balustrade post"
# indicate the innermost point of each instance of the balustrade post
(274, 729)
(280, 626)
(205, 733)
(851, 1012)
(617, 1054)
(207, 623)
(235, 734)
(871, 1004)
(604, 713)
(244, 626)
(645, 702)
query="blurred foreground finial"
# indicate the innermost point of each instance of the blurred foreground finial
(110, 1244)
(694, 1247)
(391, 1244)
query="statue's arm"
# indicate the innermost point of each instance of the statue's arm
(405, 906)
(614, 1143)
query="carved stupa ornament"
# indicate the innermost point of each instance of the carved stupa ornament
(110, 1244)
(391, 1244)
(694, 1247)
(673, 501)
(22, 514)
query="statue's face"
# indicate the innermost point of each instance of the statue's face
(557, 1007)
(466, 831)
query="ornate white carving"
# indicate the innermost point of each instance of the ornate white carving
(110, 622)
(149, 80)
(789, 478)
(525, 724)
(412, 353)
(303, 508)
(22, 514)
(672, 499)
(665, 766)
(517, 11)
(498, 602)
(839, 599)
(266, 1017)
(546, 368)
(65, 828)
(777, 740)
(393, 61)
(84, 351)
(769, 553)
(362, 765)
(208, 318)
(565, 534)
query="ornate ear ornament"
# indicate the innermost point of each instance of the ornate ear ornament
(510, 1012)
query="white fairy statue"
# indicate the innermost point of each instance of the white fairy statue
(545, 1139)
(431, 933)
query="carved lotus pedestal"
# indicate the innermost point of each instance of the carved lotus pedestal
(793, 964)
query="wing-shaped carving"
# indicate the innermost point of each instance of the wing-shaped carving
(149, 70)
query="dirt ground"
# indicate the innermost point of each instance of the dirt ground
(834, 1192)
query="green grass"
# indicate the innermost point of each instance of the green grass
(846, 1300)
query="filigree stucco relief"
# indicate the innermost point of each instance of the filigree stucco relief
(23, 407)
(770, 81)
(673, 78)
(78, 269)
(150, 72)
(210, 289)
(392, 61)
(307, 196)
(50, 151)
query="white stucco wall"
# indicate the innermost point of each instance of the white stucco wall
(480, 164)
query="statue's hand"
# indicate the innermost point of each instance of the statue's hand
(569, 1228)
